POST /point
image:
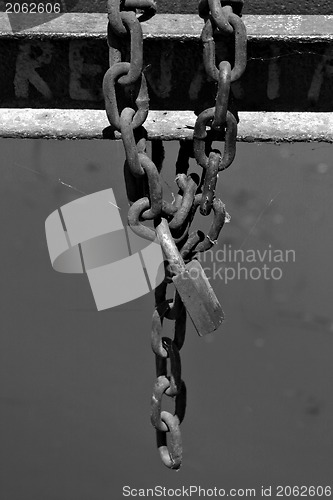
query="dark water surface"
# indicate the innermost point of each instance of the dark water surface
(75, 383)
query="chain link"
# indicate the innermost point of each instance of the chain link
(201, 136)
(127, 105)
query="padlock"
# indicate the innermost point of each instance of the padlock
(192, 285)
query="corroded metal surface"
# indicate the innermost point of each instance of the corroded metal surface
(61, 64)
(166, 125)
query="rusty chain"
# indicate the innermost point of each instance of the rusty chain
(222, 19)
(127, 105)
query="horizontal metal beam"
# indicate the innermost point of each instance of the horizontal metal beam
(61, 63)
(165, 125)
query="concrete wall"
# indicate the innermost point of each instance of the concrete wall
(250, 7)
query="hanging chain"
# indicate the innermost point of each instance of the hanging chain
(127, 105)
(222, 19)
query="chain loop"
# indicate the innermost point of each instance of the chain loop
(133, 217)
(222, 98)
(173, 310)
(170, 455)
(155, 191)
(116, 6)
(189, 186)
(237, 6)
(208, 191)
(175, 366)
(114, 16)
(200, 135)
(134, 185)
(136, 59)
(198, 241)
(114, 44)
(215, 228)
(214, 6)
(208, 41)
(141, 101)
(147, 8)
(132, 155)
(162, 384)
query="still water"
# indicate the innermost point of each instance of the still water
(75, 384)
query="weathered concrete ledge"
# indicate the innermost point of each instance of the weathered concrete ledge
(177, 27)
(166, 125)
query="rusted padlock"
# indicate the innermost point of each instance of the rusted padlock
(192, 285)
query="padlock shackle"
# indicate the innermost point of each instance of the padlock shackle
(171, 252)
